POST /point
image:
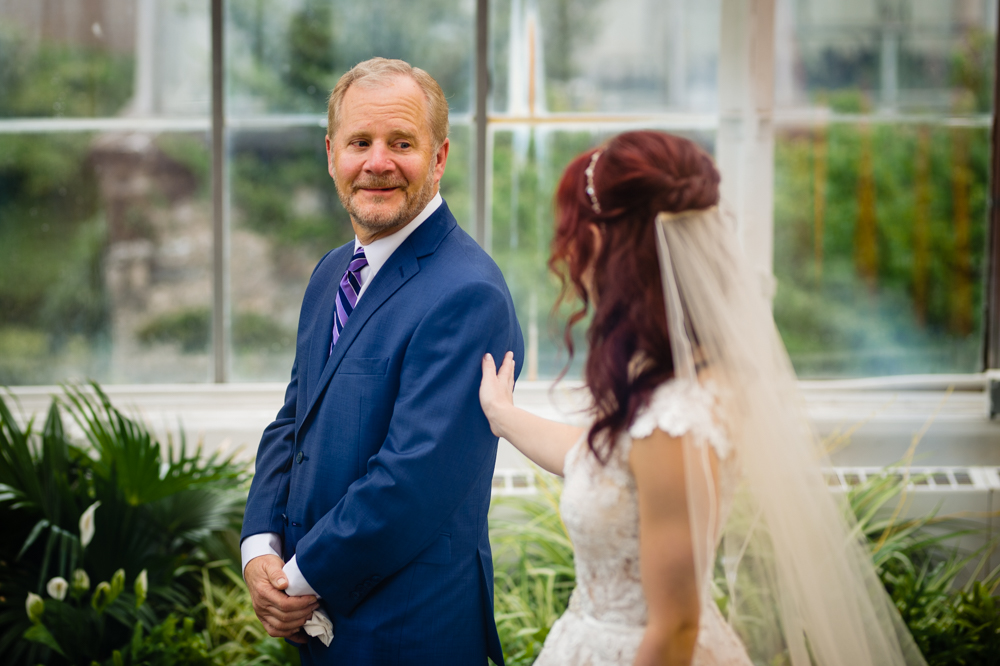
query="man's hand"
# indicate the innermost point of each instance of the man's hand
(281, 615)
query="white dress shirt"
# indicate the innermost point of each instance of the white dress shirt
(377, 253)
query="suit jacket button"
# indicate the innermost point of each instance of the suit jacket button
(299, 457)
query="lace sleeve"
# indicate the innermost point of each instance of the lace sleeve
(679, 408)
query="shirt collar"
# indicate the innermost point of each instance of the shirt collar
(378, 251)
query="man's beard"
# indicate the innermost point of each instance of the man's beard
(374, 221)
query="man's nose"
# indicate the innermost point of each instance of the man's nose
(379, 159)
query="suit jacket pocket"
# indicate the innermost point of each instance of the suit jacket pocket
(363, 366)
(438, 552)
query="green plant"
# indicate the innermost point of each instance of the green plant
(163, 508)
(85, 626)
(533, 569)
(168, 645)
(951, 623)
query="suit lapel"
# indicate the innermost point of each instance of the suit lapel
(401, 266)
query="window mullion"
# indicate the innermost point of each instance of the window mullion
(220, 223)
(482, 98)
(745, 141)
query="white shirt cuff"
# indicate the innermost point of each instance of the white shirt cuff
(297, 584)
(265, 543)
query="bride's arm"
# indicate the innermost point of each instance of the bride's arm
(666, 556)
(544, 442)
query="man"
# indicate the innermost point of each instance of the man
(373, 483)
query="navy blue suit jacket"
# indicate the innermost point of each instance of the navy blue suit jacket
(377, 471)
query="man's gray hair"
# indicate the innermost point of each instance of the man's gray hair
(379, 71)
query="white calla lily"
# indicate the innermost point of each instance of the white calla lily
(141, 588)
(81, 581)
(117, 582)
(57, 588)
(87, 524)
(102, 597)
(35, 606)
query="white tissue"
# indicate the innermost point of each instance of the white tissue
(319, 626)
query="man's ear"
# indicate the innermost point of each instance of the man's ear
(329, 159)
(440, 159)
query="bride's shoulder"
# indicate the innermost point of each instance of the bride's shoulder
(681, 407)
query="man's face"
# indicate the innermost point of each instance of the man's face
(382, 157)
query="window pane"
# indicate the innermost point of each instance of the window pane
(285, 216)
(907, 55)
(105, 231)
(65, 59)
(596, 64)
(105, 251)
(881, 200)
(879, 248)
(590, 56)
(286, 55)
(95, 59)
(527, 164)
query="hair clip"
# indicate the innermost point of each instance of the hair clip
(590, 182)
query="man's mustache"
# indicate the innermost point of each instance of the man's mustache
(377, 183)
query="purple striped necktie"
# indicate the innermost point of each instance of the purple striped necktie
(347, 294)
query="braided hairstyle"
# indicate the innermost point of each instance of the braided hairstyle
(637, 175)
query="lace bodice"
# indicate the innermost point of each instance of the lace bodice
(607, 612)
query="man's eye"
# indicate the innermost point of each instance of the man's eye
(404, 144)
(361, 143)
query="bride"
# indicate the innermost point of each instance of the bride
(699, 478)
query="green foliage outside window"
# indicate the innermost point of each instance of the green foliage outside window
(880, 229)
(290, 60)
(51, 227)
(59, 80)
(916, 307)
(190, 330)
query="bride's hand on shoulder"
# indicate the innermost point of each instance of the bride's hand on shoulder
(496, 391)
(544, 442)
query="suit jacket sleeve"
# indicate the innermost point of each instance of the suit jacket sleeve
(438, 444)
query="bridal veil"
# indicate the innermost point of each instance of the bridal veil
(798, 581)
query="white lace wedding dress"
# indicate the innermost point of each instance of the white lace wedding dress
(607, 612)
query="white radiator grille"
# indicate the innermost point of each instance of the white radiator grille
(922, 479)
(520, 481)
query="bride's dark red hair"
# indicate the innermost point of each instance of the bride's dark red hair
(637, 175)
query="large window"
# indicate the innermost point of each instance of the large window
(120, 261)
(881, 167)
(105, 223)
